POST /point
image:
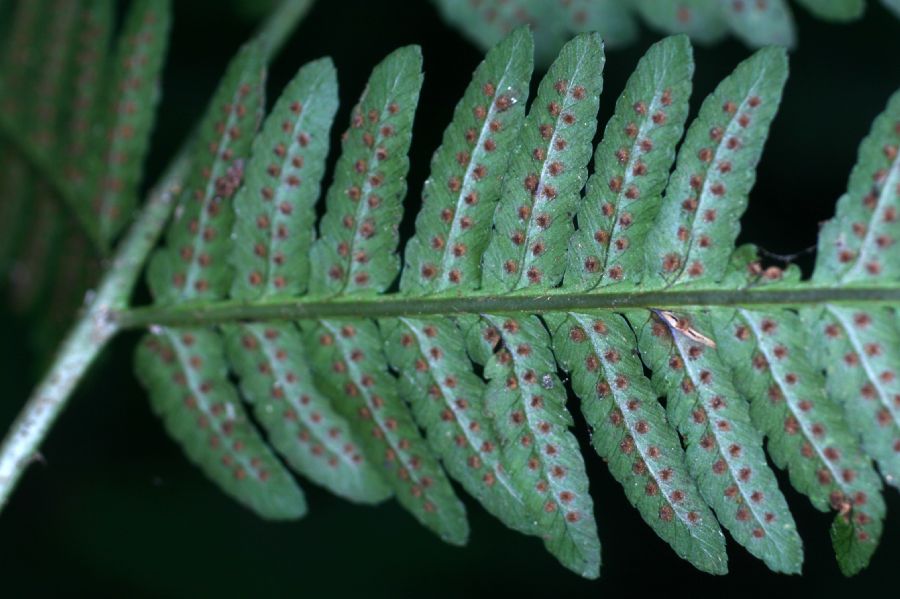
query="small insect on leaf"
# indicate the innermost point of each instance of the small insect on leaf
(682, 326)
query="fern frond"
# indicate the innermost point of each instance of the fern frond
(452, 230)
(342, 371)
(806, 430)
(130, 105)
(631, 431)
(632, 434)
(185, 373)
(272, 237)
(699, 217)
(356, 254)
(546, 172)
(203, 412)
(861, 347)
(631, 163)
(275, 207)
(194, 264)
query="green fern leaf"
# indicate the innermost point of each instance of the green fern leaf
(806, 431)
(276, 206)
(358, 245)
(133, 93)
(194, 265)
(631, 168)
(853, 244)
(356, 254)
(632, 435)
(526, 401)
(862, 347)
(447, 399)
(835, 10)
(186, 375)
(273, 367)
(460, 196)
(272, 236)
(716, 168)
(452, 230)
(90, 54)
(724, 450)
(531, 225)
(760, 23)
(352, 369)
(546, 172)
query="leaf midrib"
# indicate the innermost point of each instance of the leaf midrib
(799, 295)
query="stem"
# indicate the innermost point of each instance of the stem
(96, 327)
(89, 336)
(393, 305)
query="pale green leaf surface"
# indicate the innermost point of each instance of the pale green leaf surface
(193, 265)
(547, 170)
(857, 244)
(452, 228)
(273, 366)
(349, 355)
(356, 251)
(448, 401)
(275, 207)
(860, 351)
(526, 400)
(355, 254)
(724, 450)
(632, 435)
(806, 431)
(694, 233)
(460, 195)
(860, 347)
(185, 374)
(631, 168)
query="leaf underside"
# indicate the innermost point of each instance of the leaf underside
(396, 406)
(684, 404)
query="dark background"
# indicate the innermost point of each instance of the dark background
(117, 510)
